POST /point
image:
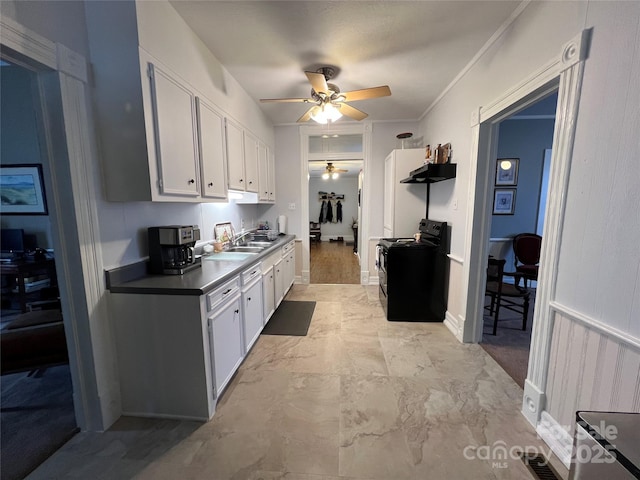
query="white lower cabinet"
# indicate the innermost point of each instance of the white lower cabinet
(279, 279)
(252, 311)
(225, 332)
(268, 294)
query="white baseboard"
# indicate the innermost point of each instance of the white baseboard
(453, 325)
(558, 439)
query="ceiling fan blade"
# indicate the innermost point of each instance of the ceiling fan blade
(287, 100)
(318, 82)
(366, 93)
(340, 170)
(307, 115)
(352, 112)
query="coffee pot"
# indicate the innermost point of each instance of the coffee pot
(172, 249)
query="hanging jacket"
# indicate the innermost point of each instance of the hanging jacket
(339, 211)
(323, 212)
(329, 216)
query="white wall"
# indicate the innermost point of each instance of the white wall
(598, 276)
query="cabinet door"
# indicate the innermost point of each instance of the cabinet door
(290, 270)
(268, 294)
(251, 162)
(175, 134)
(272, 176)
(235, 156)
(252, 313)
(226, 342)
(279, 278)
(213, 155)
(263, 173)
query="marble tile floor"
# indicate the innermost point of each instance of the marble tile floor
(357, 398)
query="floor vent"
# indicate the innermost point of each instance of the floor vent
(539, 466)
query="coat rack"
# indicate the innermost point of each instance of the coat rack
(330, 196)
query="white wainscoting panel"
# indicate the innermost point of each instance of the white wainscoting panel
(591, 367)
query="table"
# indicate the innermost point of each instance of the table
(19, 270)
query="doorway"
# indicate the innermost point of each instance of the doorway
(524, 144)
(334, 216)
(346, 144)
(38, 413)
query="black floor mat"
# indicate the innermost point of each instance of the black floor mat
(290, 318)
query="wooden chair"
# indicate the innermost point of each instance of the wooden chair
(526, 252)
(505, 295)
(314, 232)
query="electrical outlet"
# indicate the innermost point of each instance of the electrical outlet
(292, 206)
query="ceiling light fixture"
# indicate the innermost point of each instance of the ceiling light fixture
(325, 176)
(325, 113)
(334, 175)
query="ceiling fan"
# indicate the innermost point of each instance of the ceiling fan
(331, 171)
(329, 103)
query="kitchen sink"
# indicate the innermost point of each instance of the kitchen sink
(255, 243)
(229, 256)
(246, 249)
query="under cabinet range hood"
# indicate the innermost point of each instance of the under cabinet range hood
(431, 173)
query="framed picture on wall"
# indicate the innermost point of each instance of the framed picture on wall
(504, 201)
(22, 190)
(507, 171)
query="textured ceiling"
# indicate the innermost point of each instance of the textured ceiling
(415, 47)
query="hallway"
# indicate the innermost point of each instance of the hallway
(333, 263)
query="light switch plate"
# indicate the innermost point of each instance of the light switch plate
(292, 206)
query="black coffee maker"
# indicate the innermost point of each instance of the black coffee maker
(171, 249)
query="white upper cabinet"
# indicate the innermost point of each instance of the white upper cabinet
(251, 162)
(160, 114)
(235, 155)
(213, 153)
(263, 172)
(175, 134)
(272, 176)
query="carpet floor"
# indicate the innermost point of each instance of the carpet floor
(290, 318)
(37, 418)
(510, 346)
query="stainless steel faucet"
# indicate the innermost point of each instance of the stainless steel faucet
(240, 236)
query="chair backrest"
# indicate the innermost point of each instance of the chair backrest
(495, 270)
(526, 248)
(314, 225)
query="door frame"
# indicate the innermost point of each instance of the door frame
(563, 73)
(340, 129)
(71, 175)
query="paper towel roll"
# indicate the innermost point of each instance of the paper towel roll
(282, 224)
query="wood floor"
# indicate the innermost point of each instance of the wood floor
(334, 262)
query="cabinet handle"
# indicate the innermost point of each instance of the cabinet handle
(210, 184)
(250, 182)
(226, 292)
(241, 180)
(249, 299)
(192, 181)
(236, 311)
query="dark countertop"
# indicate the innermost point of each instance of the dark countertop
(134, 279)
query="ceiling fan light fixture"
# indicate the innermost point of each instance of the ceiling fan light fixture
(325, 113)
(335, 175)
(325, 176)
